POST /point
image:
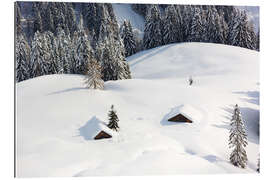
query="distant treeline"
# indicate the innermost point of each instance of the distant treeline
(59, 37)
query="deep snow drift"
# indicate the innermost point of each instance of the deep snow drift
(52, 110)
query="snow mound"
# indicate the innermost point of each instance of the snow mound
(188, 111)
(93, 127)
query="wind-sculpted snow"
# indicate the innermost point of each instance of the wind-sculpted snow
(53, 114)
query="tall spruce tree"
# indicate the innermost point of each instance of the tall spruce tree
(210, 25)
(187, 13)
(238, 139)
(83, 50)
(128, 38)
(196, 29)
(54, 56)
(38, 23)
(63, 47)
(18, 17)
(39, 56)
(240, 33)
(220, 29)
(152, 32)
(113, 119)
(171, 25)
(111, 54)
(22, 58)
(93, 78)
(179, 10)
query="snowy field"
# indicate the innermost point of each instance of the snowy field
(54, 113)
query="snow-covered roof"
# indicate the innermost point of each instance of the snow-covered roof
(186, 110)
(93, 127)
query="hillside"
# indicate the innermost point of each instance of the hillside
(53, 114)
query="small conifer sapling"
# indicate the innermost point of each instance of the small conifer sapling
(113, 119)
(94, 76)
(190, 80)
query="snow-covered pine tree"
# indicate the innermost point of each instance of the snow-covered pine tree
(258, 40)
(93, 78)
(187, 13)
(179, 10)
(71, 18)
(196, 29)
(63, 45)
(37, 22)
(48, 21)
(53, 52)
(238, 139)
(121, 65)
(39, 56)
(18, 16)
(210, 24)
(219, 28)
(224, 28)
(152, 32)
(83, 50)
(128, 38)
(22, 58)
(253, 36)
(171, 25)
(111, 54)
(216, 27)
(113, 119)
(239, 31)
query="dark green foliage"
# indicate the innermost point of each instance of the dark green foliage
(197, 28)
(171, 26)
(22, 58)
(113, 119)
(241, 31)
(111, 54)
(128, 38)
(18, 17)
(153, 28)
(258, 40)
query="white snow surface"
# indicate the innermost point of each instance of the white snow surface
(54, 110)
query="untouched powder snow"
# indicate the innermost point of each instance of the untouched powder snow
(53, 113)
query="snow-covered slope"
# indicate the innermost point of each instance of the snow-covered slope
(125, 12)
(52, 111)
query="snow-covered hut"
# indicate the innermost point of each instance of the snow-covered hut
(180, 118)
(184, 113)
(96, 129)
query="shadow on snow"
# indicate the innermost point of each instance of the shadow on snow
(67, 90)
(251, 119)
